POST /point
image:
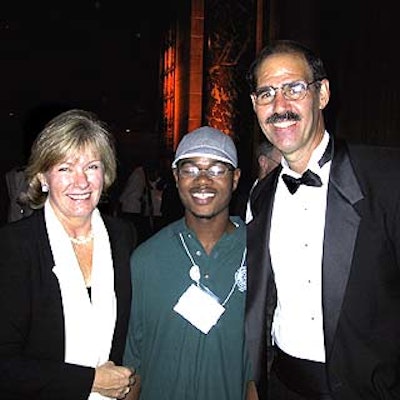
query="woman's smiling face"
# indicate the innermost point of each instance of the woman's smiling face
(75, 185)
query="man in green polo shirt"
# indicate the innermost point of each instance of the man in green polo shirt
(186, 332)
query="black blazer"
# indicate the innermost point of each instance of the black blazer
(31, 316)
(360, 275)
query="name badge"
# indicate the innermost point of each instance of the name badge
(199, 308)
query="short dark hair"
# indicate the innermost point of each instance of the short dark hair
(286, 47)
(264, 148)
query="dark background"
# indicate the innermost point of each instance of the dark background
(98, 55)
(101, 56)
(104, 56)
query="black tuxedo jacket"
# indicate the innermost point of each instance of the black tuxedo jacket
(360, 275)
(31, 315)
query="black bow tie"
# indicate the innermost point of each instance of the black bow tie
(309, 178)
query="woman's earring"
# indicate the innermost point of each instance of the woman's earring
(45, 188)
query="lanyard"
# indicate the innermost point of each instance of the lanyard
(239, 276)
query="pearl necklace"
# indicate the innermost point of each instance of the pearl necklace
(79, 240)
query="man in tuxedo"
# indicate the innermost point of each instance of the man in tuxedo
(323, 268)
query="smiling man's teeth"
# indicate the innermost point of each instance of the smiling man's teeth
(203, 195)
(284, 124)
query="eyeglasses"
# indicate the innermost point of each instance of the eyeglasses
(291, 91)
(213, 172)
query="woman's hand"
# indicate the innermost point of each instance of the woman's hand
(113, 381)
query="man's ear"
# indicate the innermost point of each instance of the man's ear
(236, 177)
(324, 94)
(253, 101)
(175, 173)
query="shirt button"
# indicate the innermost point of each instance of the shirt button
(198, 253)
(206, 276)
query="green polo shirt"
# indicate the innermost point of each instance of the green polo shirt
(176, 361)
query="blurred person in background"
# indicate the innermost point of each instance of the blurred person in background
(268, 158)
(140, 199)
(16, 185)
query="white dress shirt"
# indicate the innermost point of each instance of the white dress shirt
(296, 247)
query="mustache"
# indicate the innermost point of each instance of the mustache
(287, 116)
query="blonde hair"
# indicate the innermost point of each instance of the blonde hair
(66, 134)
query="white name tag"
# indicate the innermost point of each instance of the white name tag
(199, 308)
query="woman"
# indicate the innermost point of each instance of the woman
(64, 272)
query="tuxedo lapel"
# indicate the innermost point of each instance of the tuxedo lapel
(261, 294)
(259, 228)
(341, 228)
